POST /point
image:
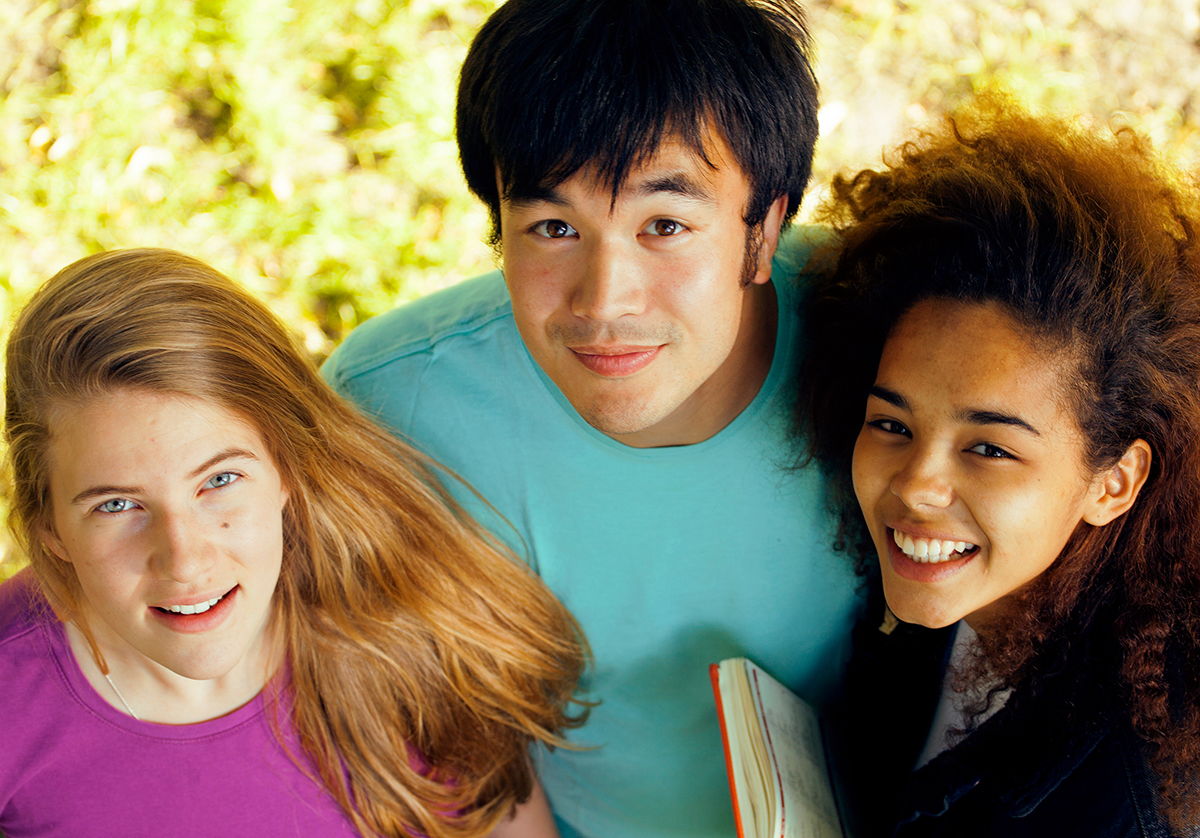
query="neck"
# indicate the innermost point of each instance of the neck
(147, 691)
(989, 620)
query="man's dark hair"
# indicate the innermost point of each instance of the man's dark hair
(550, 87)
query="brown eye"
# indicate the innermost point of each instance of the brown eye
(992, 452)
(554, 229)
(665, 227)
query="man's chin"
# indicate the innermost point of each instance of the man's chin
(621, 420)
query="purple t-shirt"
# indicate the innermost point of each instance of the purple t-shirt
(71, 765)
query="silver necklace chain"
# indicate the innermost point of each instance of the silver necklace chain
(123, 701)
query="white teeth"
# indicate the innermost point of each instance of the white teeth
(930, 550)
(198, 608)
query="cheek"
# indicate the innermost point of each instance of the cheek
(864, 472)
(1030, 529)
(102, 557)
(255, 535)
(707, 309)
(699, 284)
(538, 281)
(107, 586)
(535, 303)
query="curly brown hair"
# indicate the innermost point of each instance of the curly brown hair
(1086, 238)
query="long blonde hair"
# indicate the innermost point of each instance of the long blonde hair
(410, 636)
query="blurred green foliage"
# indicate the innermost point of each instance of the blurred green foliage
(305, 147)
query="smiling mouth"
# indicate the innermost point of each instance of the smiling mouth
(931, 550)
(196, 608)
(615, 361)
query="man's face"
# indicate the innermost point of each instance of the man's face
(639, 311)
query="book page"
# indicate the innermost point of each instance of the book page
(806, 807)
(753, 788)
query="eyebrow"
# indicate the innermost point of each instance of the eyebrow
(537, 195)
(219, 457)
(973, 417)
(676, 183)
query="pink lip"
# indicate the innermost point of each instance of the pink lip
(915, 571)
(615, 361)
(197, 623)
(920, 531)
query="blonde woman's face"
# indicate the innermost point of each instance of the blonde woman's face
(169, 509)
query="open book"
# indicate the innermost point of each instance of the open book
(775, 755)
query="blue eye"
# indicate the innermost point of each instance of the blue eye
(993, 452)
(116, 505)
(222, 479)
(553, 229)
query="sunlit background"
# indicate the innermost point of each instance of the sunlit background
(306, 147)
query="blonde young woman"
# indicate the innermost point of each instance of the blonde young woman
(248, 610)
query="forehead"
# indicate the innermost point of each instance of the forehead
(675, 166)
(976, 353)
(127, 428)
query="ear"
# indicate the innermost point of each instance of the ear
(1115, 491)
(771, 227)
(54, 544)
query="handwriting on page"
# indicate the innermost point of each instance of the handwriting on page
(807, 809)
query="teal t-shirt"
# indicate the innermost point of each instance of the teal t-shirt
(670, 558)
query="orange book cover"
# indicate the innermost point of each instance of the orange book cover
(714, 674)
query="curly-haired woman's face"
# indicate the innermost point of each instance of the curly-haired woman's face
(970, 465)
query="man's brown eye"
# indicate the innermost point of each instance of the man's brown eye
(666, 227)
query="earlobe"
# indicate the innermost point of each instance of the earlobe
(1117, 489)
(772, 226)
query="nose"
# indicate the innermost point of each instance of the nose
(183, 553)
(924, 480)
(611, 285)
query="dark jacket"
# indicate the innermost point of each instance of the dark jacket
(1031, 770)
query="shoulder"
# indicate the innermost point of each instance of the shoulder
(461, 311)
(1142, 782)
(30, 688)
(28, 629)
(432, 362)
(1108, 792)
(1046, 775)
(22, 607)
(804, 251)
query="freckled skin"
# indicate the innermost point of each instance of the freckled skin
(165, 500)
(931, 470)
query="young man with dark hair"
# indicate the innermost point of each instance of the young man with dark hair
(619, 394)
